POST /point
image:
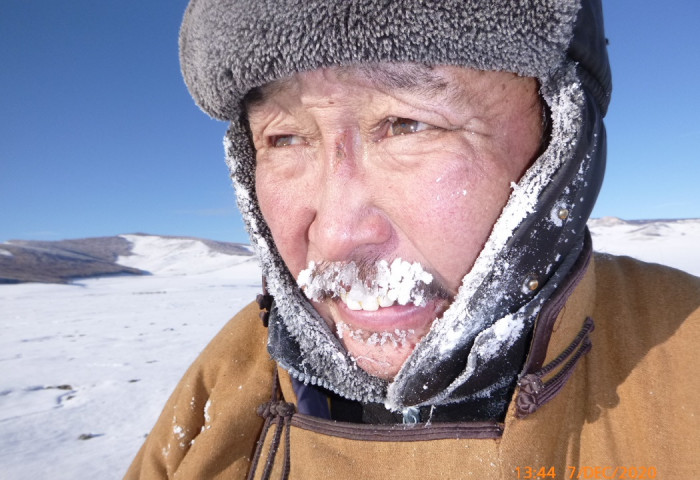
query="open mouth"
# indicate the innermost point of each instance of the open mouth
(366, 301)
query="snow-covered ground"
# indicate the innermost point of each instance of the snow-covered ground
(86, 368)
(99, 358)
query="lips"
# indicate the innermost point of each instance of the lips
(389, 319)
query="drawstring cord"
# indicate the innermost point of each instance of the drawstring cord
(280, 413)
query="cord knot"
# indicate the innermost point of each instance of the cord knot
(276, 409)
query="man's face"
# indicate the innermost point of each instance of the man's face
(390, 161)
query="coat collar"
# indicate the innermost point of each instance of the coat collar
(560, 337)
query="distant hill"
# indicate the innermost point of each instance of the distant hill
(66, 260)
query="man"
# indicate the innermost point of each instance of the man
(416, 178)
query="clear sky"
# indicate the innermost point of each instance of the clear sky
(98, 135)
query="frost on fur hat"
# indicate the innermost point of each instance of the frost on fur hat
(228, 47)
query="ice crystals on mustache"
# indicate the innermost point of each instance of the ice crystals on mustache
(366, 287)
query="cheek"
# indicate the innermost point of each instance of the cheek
(447, 213)
(281, 204)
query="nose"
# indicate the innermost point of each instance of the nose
(348, 223)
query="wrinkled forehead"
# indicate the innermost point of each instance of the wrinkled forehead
(410, 77)
(440, 82)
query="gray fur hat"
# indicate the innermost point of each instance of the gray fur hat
(229, 47)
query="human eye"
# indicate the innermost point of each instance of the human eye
(403, 126)
(286, 140)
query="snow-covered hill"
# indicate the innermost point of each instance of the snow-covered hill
(87, 366)
(180, 256)
(64, 261)
(670, 242)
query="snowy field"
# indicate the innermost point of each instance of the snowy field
(86, 368)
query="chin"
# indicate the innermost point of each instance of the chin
(382, 360)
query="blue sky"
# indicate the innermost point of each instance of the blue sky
(98, 135)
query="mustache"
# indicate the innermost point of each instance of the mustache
(398, 281)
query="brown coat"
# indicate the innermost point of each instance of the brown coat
(629, 410)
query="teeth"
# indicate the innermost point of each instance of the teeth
(353, 304)
(370, 304)
(366, 303)
(385, 301)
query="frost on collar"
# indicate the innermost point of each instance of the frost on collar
(491, 306)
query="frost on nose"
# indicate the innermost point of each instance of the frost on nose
(400, 283)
